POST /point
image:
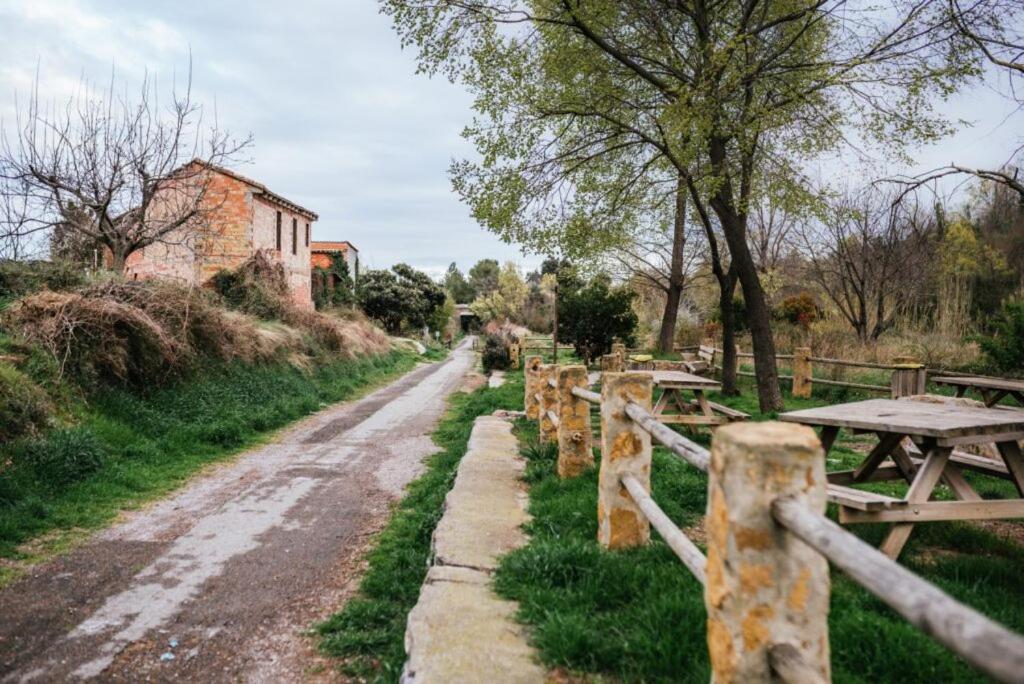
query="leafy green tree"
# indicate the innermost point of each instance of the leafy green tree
(402, 298)
(628, 95)
(483, 277)
(594, 316)
(507, 301)
(457, 285)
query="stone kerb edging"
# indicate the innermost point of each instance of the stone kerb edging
(459, 630)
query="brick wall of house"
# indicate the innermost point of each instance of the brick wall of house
(296, 262)
(244, 221)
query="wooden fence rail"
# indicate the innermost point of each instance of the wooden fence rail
(908, 376)
(765, 575)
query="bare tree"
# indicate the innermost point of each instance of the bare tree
(870, 255)
(662, 256)
(996, 29)
(769, 235)
(121, 173)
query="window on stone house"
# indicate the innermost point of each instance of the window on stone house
(295, 235)
(307, 235)
(278, 231)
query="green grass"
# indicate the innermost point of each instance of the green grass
(368, 632)
(139, 446)
(638, 615)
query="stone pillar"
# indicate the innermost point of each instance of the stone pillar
(765, 588)
(548, 401)
(610, 364)
(530, 384)
(802, 372)
(575, 450)
(908, 377)
(513, 356)
(625, 450)
(619, 349)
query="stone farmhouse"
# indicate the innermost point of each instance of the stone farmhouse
(248, 217)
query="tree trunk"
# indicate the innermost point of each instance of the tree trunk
(730, 362)
(118, 257)
(674, 293)
(769, 397)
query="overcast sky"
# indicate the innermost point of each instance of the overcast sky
(341, 122)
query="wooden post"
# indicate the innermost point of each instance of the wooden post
(575, 452)
(548, 401)
(530, 374)
(802, 375)
(908, 377)
(625, 449)
(513, 356)
(766, 590)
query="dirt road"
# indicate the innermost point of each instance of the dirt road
(217, 582)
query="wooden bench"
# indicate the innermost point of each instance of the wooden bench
(730, 413)
(860, 499)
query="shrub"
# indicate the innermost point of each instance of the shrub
(24, 406)
(495, 355)
(19, 278)
(593, 317)
(799, 310)
(63, 457)
(1004, 348)
(257, 287)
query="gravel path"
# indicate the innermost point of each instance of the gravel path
(218, 582)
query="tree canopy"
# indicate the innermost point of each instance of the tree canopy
(401, 298)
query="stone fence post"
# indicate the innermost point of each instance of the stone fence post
(908, 377)
(767, 593)
(548, 401)
(625, 450)
(530, 404)
(802, 372)
(575, 451)
(612, 363)
(619, 349)
(513, 356)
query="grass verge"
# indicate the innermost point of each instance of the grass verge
(638, 615)
(367, 634)
(127, 447)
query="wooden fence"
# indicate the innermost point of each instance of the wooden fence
(908, 376)
(765, 576)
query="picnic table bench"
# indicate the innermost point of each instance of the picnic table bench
(917, 442)
(672, 407)
(991, 389)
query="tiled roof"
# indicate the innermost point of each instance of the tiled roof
(262, 189)
(343, 246)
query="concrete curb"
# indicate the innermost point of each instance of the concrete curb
(459, 630)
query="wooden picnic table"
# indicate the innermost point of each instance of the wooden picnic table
(697, 411)
(991, 389)
(917, 442)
